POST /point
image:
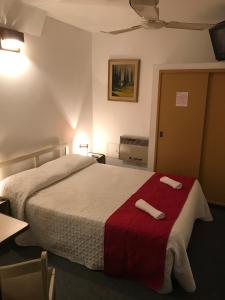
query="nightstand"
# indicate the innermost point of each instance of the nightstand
(98, 156)
(4, 206)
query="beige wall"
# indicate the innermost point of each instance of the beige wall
(112, 119)
(45, 96)
(63, 86)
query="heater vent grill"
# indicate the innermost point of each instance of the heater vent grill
(133, 149)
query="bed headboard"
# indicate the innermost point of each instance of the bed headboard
(32, 160)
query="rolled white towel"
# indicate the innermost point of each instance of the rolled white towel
(173, 183)
(145, 206)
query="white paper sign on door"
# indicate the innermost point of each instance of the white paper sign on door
(182, 99)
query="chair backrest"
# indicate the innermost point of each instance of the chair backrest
(26, 280)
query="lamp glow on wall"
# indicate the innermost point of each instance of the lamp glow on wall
(13, 62)
(80, 143)
(11, 40)
(84, 149)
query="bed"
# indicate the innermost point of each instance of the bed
(68, 202)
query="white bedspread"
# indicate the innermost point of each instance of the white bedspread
(68, 218)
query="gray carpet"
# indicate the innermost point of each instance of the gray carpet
(206, 252)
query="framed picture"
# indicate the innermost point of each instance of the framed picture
(123, 79)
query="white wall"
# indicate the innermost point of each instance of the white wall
(50, 99)
(45, 96)
(112, 119)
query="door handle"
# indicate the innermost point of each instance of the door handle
(161, 134)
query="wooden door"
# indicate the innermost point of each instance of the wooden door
(182, 100)
(212, 174)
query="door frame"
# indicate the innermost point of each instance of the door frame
(156, 84)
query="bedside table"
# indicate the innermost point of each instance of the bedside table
(4, 206)
(98, 156)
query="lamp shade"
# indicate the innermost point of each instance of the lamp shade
(10, 39)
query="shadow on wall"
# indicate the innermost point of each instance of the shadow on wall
(188, 54)
(30, 122)
(67, 72)
(51, 99)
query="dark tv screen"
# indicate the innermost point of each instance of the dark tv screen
(217, 34)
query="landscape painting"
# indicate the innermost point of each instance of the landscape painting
(123, 80)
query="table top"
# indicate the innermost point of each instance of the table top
(10, 226)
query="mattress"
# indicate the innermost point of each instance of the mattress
(68, 218)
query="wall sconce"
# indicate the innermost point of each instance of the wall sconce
(11, 40)
(84, 149)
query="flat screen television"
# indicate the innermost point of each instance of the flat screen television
(217, 34)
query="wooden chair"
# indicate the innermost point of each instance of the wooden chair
(30, 280)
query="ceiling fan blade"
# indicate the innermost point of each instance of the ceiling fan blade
(191, 26)
(145, 8)
(124, 30)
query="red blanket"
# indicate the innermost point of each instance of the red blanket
(135, 243)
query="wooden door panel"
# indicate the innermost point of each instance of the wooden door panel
(212, 173)
(179, 149)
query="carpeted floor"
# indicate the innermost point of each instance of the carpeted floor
(75, 282)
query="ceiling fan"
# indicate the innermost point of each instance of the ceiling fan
(149, 12)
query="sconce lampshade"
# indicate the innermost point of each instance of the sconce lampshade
(11, 40)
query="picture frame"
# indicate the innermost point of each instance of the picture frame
(123, 79)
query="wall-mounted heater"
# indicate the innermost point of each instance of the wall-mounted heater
(133, 149)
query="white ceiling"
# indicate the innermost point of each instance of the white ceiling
(97, 15)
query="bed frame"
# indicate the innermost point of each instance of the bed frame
(56, 150)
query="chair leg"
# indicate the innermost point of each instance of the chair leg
(52, 284)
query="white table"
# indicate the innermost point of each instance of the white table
(10, 227)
